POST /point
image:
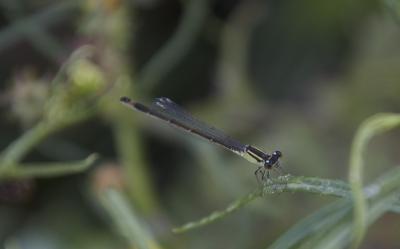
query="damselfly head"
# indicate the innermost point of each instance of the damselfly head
(125, 99)
(277, 153)
(273, 159)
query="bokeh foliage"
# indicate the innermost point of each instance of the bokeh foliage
(306, 77)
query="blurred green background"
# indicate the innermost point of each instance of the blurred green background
(296, 76)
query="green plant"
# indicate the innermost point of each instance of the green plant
(72, 100)
(331, 226)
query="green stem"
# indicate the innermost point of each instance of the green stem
(219, 214)
(177, 47)
(127, 221)
(20, 147)
(51, 15)
(373, 126)
(48, 169)
(137, 175)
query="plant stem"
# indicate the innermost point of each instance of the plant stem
(41, 170)
(126, 220)
(20, 147)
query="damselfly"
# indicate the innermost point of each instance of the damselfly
(167, 110)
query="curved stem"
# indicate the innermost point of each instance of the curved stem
(20, 147)
(177, 47)
(41, 170)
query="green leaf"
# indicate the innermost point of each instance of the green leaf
(275, 186)
(395, 208)
(334, 229)
(315, 223)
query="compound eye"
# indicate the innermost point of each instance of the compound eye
(277, 153)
